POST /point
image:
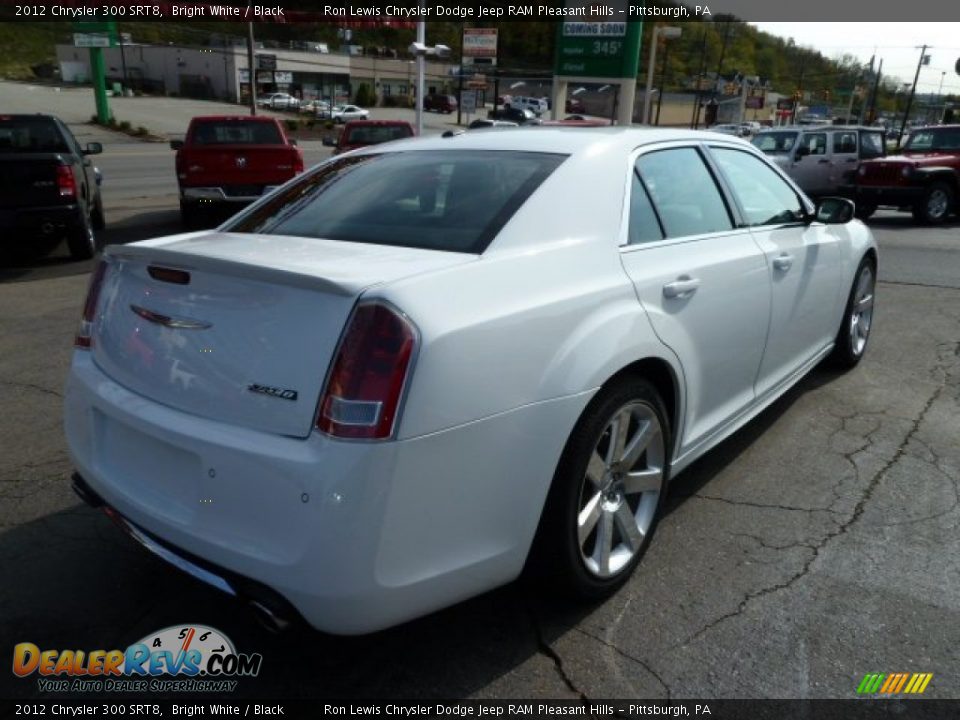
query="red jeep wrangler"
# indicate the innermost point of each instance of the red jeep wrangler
(923, 178)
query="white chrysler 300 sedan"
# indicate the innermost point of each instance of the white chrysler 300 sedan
(389, 384)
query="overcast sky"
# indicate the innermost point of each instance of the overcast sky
(897, 43)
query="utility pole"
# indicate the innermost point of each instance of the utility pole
(663, 74)
(913, 91)
(252, 70)
(873, 95)
(866, 97)
(796, 100)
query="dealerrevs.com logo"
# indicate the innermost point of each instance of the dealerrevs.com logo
(180, 658)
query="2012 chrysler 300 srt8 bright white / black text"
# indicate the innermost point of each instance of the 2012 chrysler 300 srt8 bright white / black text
(389, 384)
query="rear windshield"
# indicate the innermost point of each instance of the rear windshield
(934, 140)
(236, 132)
(30, 134)
(773, 143)
(453, 200)
(375, 134)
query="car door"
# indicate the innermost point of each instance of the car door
(702, 281)
(811, 163)
(803, 258)
(843, 160)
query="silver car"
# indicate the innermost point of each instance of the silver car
(823, 160)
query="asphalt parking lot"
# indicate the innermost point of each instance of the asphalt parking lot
(818, 544)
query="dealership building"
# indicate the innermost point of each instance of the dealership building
(222, 73)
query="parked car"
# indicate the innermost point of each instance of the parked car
(360, 133)
(924, 178)
(345, 113)
(822, 160)
(363, 453)
(440, 103)
(284, 101)
(481, 123)
(750, 127)
(517, 115)
(227, 162)
(50, 188)
(537, 105)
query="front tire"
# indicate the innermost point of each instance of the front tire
(607, 492)
(854, 333)
(936, 205)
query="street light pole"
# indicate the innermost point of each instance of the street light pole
(421, 67)
(650, 66)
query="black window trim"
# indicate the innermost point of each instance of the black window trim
(805, 206)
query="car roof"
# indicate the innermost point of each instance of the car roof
(233, 118)
(563, 140)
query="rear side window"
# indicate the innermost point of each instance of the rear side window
(644, 225)
(453, 200)
(30, 134)
(684, 192)
(236, 132)
(845, 143)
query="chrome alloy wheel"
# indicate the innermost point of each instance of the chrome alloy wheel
(620, 490)
(938, 201)
(861, 315)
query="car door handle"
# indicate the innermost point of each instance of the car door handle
(682, 287)
(783, 262)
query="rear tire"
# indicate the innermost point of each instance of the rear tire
(854, 332)
(82, 242)
(96, 217)
(607, 493)
(936, 205)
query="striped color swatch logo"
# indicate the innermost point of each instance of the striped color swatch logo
(894, 683)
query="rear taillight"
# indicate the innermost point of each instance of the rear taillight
(66, 181)
(84, 338)
(362, 395)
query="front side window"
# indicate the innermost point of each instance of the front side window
(871, 145)
(933, 140)
(452, 200)
(684, 192)
(764, 197)
(814, 144)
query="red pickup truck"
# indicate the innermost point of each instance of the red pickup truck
(229, 162)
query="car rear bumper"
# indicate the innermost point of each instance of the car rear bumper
(356, 536)
(888, 195)
(43, 222)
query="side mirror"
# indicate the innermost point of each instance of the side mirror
(293, 141)
(329, 142)
(835, 211)
(93, 148)
(176, 144)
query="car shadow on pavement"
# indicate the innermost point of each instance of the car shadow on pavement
(78, 582)
(17, 265)
(904, 222)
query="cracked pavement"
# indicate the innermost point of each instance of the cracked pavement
(817, 544)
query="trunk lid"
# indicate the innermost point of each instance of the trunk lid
(248, 340)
